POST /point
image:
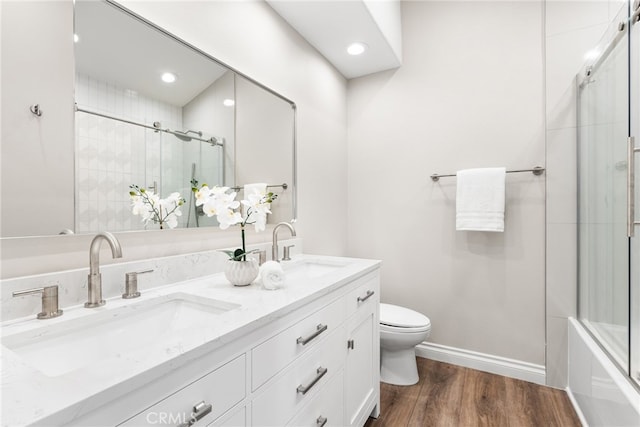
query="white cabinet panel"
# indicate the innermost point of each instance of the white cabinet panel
(359, 383)
(326, 409)
(222, 389)
(274, 354)
(278, 401)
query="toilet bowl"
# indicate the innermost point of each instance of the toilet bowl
(401, 329)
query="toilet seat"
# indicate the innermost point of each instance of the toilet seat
(402, 320)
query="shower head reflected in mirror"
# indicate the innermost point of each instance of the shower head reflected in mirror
(183, 135)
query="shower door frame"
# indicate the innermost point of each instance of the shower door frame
(629, 365)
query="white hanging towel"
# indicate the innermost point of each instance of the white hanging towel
(258, 187)
(480, 199)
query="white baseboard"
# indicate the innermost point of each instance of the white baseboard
(483, 362)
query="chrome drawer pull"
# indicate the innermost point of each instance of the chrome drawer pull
(366, 297)
(320, 329)
(303, 389)
(200, 410)
(321, 421)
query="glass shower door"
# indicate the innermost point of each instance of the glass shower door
(603, 245)
(634, 244)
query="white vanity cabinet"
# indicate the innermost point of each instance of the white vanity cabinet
(362, 378)
(312, 362)
(203, 400)
(329, 364)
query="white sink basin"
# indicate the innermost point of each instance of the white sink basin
(311, 268)
(137, 331)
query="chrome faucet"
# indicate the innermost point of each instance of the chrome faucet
(274, 248)
(95, 278)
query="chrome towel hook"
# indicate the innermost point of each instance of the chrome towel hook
(35, 109)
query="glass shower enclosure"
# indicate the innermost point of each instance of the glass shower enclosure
(608, 249)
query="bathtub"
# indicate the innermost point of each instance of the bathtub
(601, 394)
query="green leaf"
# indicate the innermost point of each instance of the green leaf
(238, 253)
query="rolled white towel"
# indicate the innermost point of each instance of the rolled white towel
(272, 275)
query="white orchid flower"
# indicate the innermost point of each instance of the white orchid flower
(202, 195)
(227, 217)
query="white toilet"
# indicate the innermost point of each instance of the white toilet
(401, 329)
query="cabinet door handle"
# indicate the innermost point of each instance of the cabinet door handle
(321, 421)
(303, 389)
(319, 329)
(366, 297)
(200, 410)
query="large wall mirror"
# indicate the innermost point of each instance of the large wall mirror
(134, 126)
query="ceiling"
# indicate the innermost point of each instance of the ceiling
(331, 25)
(117, 48)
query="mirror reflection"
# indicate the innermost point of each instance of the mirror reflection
(151, 113)
(136, 125)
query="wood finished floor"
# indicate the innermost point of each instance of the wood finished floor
(454, 396)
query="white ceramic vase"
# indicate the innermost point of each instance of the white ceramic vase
(241, 273)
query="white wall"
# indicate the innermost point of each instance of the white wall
(469, 94)
(250, 37)
(37, 152)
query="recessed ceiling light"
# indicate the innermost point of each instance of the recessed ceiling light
(228, 102)
(168, 77)
(76, 39)
(356, 48)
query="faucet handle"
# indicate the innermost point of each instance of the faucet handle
(262, 256)
(49, 300)
(285, 255)
(131, 284)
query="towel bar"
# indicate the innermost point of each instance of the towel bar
(538, 170)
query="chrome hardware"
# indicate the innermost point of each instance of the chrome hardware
(200, 410)
(538, 170)
(367, 296)
(131, 284)
(156, 127)
(636, 12)
(621, 26)
(35, 109)
(320, 329)
(321, 421)
(286, 251)
(631, 157)
(284, 186)
(351, 344)
(262, 257)
(303, 389)
(49, 301)
(274, 248)
(153, 187)
(95, 279)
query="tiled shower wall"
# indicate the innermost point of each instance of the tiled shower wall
(112, 155)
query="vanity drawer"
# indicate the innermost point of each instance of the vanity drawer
(268, 358)
(221, 389)
(365, 296)
(236, 418)
(326, 409)
(299, 384)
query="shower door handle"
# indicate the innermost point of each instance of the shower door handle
(631, 157)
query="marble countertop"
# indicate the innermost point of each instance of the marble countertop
(31, 396)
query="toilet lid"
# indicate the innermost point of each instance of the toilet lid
(402, 317)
